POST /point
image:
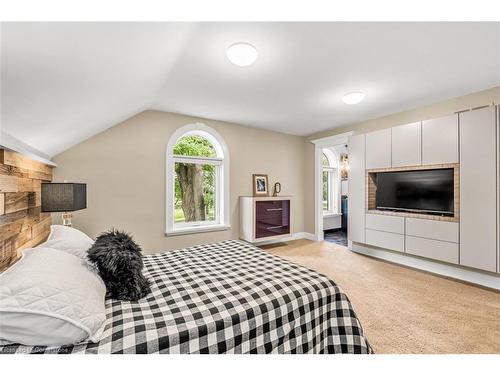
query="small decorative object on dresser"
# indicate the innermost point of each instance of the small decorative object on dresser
(276, 189)
(65, 198)
(260, 183)
(264, 218)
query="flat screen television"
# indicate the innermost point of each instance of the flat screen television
(425, 191)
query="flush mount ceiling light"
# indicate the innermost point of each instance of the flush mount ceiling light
(354, 97)
(242, 54)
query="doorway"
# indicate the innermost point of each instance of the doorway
(332, 189)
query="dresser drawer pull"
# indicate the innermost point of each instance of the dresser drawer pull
(274, 209)
(276, 227)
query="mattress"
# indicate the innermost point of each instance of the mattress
(226, 297)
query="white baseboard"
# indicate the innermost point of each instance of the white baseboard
(456, 272)
(292, 237)
(304, 236)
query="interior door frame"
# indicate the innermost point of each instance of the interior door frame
(319, 145)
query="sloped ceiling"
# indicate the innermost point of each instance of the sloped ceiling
(65, 82)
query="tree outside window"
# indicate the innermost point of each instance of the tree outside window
(195, 181)
(197, 196)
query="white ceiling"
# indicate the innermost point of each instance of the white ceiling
(65, 82)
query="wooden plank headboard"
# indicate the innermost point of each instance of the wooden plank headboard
(22, 224)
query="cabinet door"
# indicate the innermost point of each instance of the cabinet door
(407, 145)
(378, 149)
(478, 175)
(357, 179)
(440, 140)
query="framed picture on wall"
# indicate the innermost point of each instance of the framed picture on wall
(260, 185)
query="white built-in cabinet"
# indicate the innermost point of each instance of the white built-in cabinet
(433, 249)
(425, 142)
(386, 223)
(478, 184)
(385, 231)
(438, 230)
(432, 239)
(407, 145)
(378, 149)
(387, 240)
(440, 140)
(438, 240)
(471, 139)
(357, 183)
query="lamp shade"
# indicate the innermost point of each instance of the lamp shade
(63, 197)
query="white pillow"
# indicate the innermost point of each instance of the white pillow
(69, 240)
(51, 298)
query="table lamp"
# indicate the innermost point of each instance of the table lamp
(64, 197)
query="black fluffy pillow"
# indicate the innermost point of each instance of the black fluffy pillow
(119, 262)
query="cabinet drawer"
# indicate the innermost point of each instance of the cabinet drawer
(271, 209)
(268, 229)
(272, 218)
(432, 229)
(393, 224)
(439, 250)
(391, 241)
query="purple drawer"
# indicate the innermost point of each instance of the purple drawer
(272, 218)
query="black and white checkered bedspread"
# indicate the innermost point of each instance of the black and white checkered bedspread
(227, 297)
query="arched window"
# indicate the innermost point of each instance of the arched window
(330, 181)
(197, 181)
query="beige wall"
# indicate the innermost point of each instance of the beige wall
(443, 108)
(124, 168)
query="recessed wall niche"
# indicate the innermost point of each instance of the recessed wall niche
(371, 192)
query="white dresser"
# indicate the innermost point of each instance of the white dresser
(264, 218)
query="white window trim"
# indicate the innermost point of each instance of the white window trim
(333, 183)
(222, 185)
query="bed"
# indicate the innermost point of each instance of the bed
(226, 297)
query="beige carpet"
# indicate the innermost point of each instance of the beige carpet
(403, 310)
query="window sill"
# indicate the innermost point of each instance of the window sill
(199, 229)
(331, 214)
